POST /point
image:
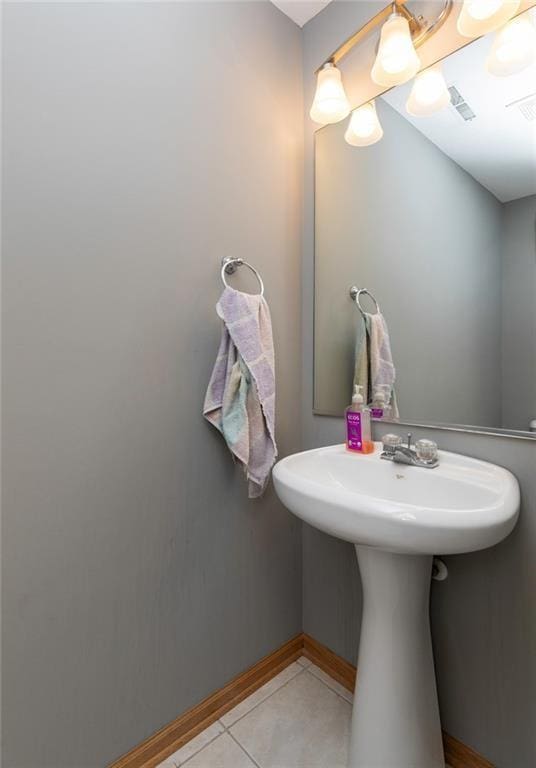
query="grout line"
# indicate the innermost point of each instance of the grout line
(227, 728)
(197, 751)
(327, 686)
(244, 749)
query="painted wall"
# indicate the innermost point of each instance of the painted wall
(484, 623)
(142, 141)
(435, 270)
(132, 584)
(519, 313)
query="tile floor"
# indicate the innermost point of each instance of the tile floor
(299, 719)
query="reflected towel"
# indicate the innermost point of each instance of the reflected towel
(382, 369)
(362, 356)
(240, 399)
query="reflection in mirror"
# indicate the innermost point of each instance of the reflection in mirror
(437, 220)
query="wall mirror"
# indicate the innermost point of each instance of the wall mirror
(438, 221)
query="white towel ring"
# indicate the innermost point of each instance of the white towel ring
(229, 267)
(356, 293)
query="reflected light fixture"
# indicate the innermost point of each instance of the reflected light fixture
(364, 127)
(478, 17)
(429, 92)
(330, 104)
(514, 47)
(396, 60)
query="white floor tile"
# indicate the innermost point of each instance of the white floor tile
(331, 683)
(302, 725)
(195, 745)
(261, 694)
(300, 719)
(223, 752)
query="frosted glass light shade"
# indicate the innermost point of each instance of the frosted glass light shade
(514, 47)
(330, 104)
(478, 17)
(364, 127)
(396, 60)
(429, 92)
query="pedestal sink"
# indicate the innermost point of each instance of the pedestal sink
(398, 517)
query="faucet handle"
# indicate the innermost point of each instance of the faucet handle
(390, 442)
(426, 450)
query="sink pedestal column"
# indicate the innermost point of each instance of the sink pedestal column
(395, 719)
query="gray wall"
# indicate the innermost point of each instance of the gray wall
(484, 623)
(141, 143)
(519, 313)
(420, 233)
(136, 576)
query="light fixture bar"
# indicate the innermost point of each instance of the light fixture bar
(356, 38)
(433, 28)
(419, 32)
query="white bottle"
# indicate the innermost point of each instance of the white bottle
(380, 408)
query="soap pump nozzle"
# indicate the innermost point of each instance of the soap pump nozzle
(357, 397)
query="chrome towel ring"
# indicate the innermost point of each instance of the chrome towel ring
(356, 293)
(229, 267)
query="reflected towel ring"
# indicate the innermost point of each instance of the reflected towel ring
(229, 267)
(356, 293)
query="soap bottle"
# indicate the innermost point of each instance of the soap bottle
(358, 434)
(381, 408)
(378, 407)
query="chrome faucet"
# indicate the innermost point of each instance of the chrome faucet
(424, 454)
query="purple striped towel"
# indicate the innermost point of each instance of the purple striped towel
(240, 399)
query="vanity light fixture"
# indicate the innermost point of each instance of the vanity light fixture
(478, 17)
(396, 61)
(364, 128)
(514, 47)
(429, 92)
(330, 104)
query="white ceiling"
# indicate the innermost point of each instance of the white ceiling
(498, 147)
(300, 11)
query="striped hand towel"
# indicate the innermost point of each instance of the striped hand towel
(240, 399)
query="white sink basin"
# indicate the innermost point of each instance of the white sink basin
(461, 506)
(398, 517)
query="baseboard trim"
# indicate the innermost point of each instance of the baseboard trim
(335, 666)
(459, 755)
(174, 735)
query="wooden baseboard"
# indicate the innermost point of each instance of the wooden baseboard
(335, 666)
(459, 755)
(174, 735)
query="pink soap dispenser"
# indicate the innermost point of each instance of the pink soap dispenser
(358, 432)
